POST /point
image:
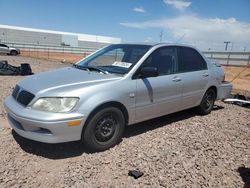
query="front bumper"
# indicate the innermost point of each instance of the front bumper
(224, 90)
(42, 126)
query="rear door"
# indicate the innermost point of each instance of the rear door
(195, 76)
(157, 96)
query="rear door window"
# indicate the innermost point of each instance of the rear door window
(190, 60)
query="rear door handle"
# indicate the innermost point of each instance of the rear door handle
(176, 79)
(205, 74)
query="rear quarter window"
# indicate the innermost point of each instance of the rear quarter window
(190, 60)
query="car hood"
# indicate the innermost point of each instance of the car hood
(64, 79)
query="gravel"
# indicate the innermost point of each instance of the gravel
(178, 150)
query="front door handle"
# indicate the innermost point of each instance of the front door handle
(176, 79)
(205, 74)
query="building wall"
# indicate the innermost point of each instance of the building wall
(88, 44)
(19, 36)
(71, 40)
(13, 34)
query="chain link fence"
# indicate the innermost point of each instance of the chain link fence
(74, 54)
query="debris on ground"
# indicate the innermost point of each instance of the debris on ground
(240, 100)
(135, 173)
(7, 69)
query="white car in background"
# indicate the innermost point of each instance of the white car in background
(4, 49)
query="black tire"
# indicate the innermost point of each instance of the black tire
(104, 130)
(13, 52)
(207, 102)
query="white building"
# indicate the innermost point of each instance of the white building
(13, 34)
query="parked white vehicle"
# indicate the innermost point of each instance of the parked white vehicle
(4, 49)
(119, 85)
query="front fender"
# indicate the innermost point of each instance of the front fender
(97, 99)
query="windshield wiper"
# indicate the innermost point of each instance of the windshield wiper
(96, 69)
(90, 68)
(80, 67)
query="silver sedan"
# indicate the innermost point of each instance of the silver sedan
(118, 85)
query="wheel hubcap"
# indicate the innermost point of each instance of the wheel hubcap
(105, 128)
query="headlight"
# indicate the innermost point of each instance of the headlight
(55, 104)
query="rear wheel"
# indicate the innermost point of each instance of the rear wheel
(104, 130)
(13, 52)
(207, 102)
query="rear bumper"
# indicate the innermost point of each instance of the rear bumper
(224, 90)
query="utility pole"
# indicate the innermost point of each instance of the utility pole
(226, 42)
(161, 35)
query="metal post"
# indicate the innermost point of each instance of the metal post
(48, 53)
(34, 51)
(37, 48)
(211, 55)
(228, 57)
(248, 63)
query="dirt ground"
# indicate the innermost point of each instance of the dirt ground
(178, 150)
(57, 56)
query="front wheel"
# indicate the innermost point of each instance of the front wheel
(207, 102)
(104, 130)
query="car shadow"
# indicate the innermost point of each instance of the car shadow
(74, 149)
(156, 123)
(51, 151)
(245, 175)
(152, 124)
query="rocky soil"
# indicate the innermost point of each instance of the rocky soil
(178, 150)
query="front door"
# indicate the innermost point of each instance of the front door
(157, 96)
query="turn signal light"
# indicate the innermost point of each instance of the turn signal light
(74, 123)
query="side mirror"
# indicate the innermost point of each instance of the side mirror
(148, 72)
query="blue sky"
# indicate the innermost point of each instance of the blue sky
(198, 22)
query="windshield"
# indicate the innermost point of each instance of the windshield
(116, 59)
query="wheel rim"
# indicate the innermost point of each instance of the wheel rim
(105, 128)
(209, 100)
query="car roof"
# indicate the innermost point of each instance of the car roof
(159, 44)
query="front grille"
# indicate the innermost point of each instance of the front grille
(22, 96)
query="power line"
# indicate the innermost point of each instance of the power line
(181, 38)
